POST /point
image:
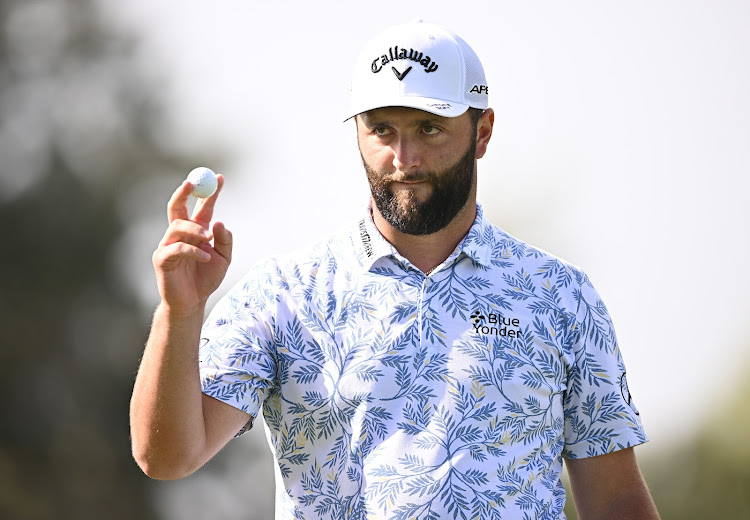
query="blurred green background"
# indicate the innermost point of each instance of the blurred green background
(87, 166)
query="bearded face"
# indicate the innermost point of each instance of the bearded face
(449, 192)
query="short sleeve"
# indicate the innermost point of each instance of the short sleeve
(237, 357)
(600, 416)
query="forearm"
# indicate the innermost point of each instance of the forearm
(166, 416)
(635, 504)
(610, 487)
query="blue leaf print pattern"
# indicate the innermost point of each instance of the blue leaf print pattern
(391, 395)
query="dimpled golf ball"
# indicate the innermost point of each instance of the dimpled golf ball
(204, 182)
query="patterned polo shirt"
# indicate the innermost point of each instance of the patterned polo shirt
(388, 394)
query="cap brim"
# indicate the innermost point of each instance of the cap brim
(431, 105)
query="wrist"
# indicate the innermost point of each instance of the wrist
(182, 312)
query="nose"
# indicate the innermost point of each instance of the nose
(406, 154)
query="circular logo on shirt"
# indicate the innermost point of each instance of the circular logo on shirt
(626, 393)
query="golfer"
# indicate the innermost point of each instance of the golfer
(423, 364)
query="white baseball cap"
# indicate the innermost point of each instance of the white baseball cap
(418, 65)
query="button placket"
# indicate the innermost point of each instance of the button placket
(426, 315)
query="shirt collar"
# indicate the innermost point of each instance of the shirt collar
(371, 246)
(478, 243)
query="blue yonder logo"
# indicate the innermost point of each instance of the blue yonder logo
(495, 325)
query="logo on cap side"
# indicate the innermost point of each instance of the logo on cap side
(480, 89)
(394, 54)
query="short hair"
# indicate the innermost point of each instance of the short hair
(475, 114)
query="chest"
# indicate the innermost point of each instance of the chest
(463, 344)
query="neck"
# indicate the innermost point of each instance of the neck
(427, 252)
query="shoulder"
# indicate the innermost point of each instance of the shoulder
(506, 252)
(526, 274)
(272, 280)
(323, 257)
(545, 281)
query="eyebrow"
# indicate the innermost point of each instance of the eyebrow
(371, 121)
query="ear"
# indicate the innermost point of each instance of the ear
(484, 131)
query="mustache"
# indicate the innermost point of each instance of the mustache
(410, 177)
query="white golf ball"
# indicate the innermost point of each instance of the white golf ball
(204, 182)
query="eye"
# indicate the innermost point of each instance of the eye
(430, 130)
(381, 131)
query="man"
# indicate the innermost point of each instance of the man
(424, 365)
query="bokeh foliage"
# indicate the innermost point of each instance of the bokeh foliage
(75, 135)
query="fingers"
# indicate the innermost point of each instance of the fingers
(189, 237)
(204, 209)
(185, 239)
(186, 231)
(167, 256)
(177, 206)
(223, 241)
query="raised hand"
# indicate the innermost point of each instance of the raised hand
(189, 267)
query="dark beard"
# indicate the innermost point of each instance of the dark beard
(450, 191)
